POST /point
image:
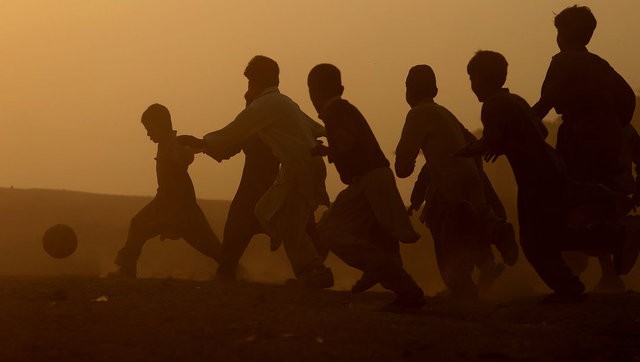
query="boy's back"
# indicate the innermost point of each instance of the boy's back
(438, 133)
(174, 184)
(511, 128)
(355, 149)
(583, 87)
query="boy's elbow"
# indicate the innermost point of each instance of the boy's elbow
(403, 169)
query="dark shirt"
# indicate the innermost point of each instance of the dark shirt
(175, 188)
(511, 128)
(352, 146)
(583, 87)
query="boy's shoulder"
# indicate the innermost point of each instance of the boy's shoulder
(571, 58)
(503, 101)
(339, 108)
(428, 109)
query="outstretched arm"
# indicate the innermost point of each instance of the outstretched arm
(414, 131)
(419, 192)
(228, 141)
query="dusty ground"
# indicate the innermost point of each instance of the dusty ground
(92, 319)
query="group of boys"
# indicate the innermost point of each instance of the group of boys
(582, 206)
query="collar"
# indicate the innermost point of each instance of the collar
(269, 90)
(424, 101)
(498, 92)
(330, 102)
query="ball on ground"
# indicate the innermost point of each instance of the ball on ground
(59, 241)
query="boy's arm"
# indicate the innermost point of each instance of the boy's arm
(420, 187)
(635, 157)
(552, 86)
(342, 133)
(183, 154)
(413, 134)
(625, 98)
(228, 141)
(494, 117)
(317, 130)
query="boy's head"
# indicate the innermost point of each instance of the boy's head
(157, 120)
(421, 84)
(324, 82)
(575, 25)
(488, 72)
(262, 72)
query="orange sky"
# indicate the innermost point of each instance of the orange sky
(76, 75)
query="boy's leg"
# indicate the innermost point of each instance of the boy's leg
(551, 267)
(144, 226)
(199, 235)
(488, 269)
(609, 282)
(346, 230)
(289, 226)
(455, 261)
(381, 191)
(240, 227)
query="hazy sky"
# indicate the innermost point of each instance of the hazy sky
(75, 76)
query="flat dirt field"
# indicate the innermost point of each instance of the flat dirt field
(96, 319)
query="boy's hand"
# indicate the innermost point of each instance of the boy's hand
(319, 150)
(412, 208)
(490, 156)
(195, 143)
(473, 149)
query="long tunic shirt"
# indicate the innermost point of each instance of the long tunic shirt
(595, 103)
(431, 128)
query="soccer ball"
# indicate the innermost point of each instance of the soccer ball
(59, 241)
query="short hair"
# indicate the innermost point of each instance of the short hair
(490, 65)
(157, 114)
(577, 24)
(422, 79)
(326, 78)
(263, 70)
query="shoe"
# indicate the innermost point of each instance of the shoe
(274, 244)
(564, 298)
(366, 282)
(124, 272)
(627, 253)
(405, 304)
(316, 278)
(505, 241)
(488, 275)
(223, 276)
(610, 285)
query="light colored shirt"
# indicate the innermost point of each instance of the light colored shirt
(431, 128)
(290, 134)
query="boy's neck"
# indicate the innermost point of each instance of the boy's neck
(424, 100)
(580, 48)
(167, 136)
(492, 92)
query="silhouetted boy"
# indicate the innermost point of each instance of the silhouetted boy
(173, 213)
(555, 214)
(367, 219)
(457, 211)
(595, 102)
(287, 208)
(258, 174)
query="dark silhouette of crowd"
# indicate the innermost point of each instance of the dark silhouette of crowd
(576, 196)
